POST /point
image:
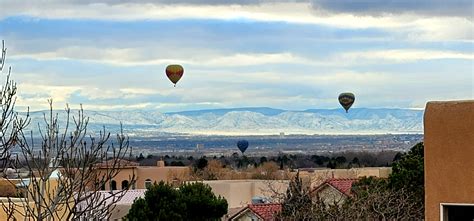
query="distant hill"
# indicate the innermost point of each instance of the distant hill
(259, 120)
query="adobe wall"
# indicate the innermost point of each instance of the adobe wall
(449, 155)
(154, 173)
(239, 193)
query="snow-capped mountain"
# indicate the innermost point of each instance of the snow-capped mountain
(253, 121)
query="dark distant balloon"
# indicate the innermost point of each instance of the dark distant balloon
(346, 100)
(174, 73)
(242, 145)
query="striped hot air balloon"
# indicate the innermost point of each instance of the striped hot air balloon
(346, 100)
(174, 72)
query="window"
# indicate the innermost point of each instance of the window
(147, 183)
(124, 184)
(113, 185)
(450, 212)
(102, 187)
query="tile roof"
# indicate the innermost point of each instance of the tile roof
(342, 184)
(131, 195)
(266, 211)
(127, 198)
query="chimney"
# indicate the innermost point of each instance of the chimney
(160, 163)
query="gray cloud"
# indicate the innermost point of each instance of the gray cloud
(458, 8)
(187, 2)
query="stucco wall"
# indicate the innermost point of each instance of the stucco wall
(316, 177)
(154, 173)
(449, 155)
(239, 193)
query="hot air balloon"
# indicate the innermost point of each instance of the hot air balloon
(174, 72)
(346, 100)
(242, 145)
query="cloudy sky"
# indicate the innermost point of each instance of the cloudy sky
(111, 54)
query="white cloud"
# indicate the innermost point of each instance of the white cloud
(36, 96)
(401, 55)
(140, 56)
(133, 57)
(431, 27)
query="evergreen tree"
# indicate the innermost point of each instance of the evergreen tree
(408, 172)
(201, 203)
(161, 202)
(297, 203)
(190, 202)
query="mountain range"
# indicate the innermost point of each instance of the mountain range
(252, 121)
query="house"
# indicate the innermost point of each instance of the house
(240, 193)
(333, 191)
(121, 206)
(448, 155)
(313, 177)
(145, 175)
(254, 212)
(22, 199)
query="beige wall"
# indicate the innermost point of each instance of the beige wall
(239, 193)
(157, 174)
(51, 186)
(318, 176)
(449, 155)
(154, 173)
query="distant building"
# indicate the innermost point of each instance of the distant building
(260, 212)
(449, 160)
(282, 134)
(333, 191)
(145, 175)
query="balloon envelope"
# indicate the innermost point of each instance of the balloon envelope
(242, 145)
(346, 100)
(174, 72)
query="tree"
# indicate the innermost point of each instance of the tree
(194, 201)
(355, 162)
(64, 178)
(161, 202)
(373, 199)
(398, 198)
(201, 203)
(340, 160)
(201, 163)
(297, 204)
(140, 157)
(177, 163)
(213, 170)
(10, 122)
(266, 171)
(64, 169)
(408, 172)
(263, 160)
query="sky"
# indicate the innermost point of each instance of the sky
(296, 55)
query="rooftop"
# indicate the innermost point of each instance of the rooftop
(344, 185)
(118, 163)
(266, 211)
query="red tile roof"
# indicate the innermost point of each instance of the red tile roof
(343, 185)
(266, 211)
